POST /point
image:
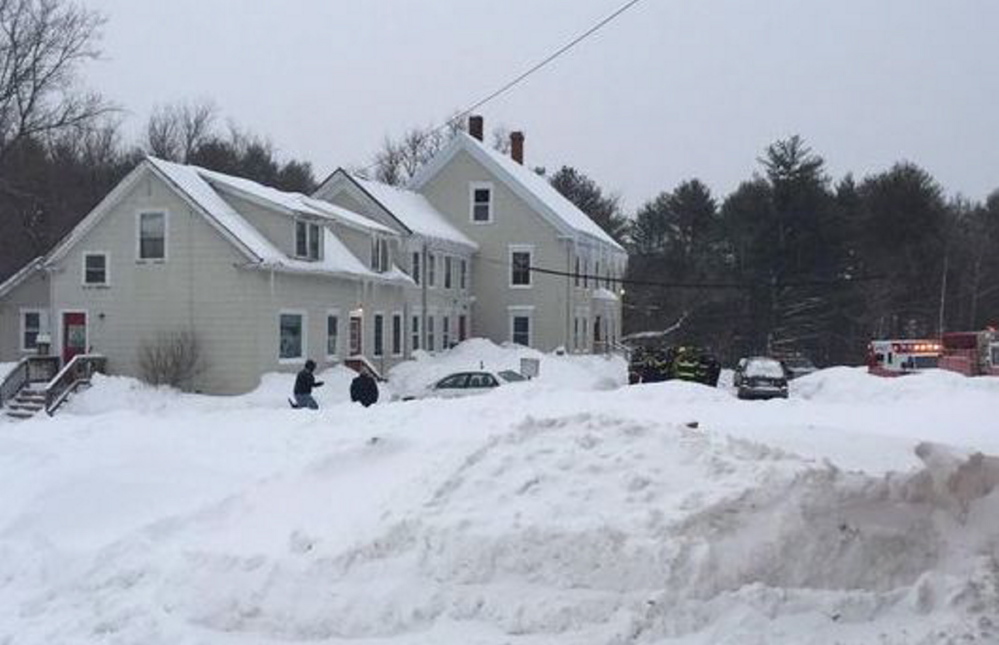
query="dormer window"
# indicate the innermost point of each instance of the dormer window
(307, 240)
(481, 195)
(379, 254)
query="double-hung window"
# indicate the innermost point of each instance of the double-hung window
(430, 334)
(415, 331)
(379, 334)
(447, 272)
(95, 269)
(397, 334)
(463, 275)
(332, 334)
(481, 195)
(520, 266)
(415, 273)
(520, 329)
(446, 332)
(379, 254)
(152, 236)
(291, 336)
(33, 323)
(431, 270)
(307, 240)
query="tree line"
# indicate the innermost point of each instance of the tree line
(794, 262)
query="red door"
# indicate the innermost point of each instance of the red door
(74, 335)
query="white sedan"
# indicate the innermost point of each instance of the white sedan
(468, 383)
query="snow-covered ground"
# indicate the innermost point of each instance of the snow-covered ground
(564, 510)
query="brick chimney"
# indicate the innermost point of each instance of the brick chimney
(517, 146)
(475, 126)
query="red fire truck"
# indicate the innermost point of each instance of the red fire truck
(972, 353)
(899, 357)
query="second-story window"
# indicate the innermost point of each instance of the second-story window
(447, 272)
(379, 254)
(95, 269)
(520, 267)
(431, 270)
(416, 267)
(307, 240)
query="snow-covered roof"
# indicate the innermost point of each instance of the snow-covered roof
(22, 274)
(414, 211)
(293, 202)
(525, 182)
(199, 185)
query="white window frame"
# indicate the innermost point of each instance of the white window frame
(414, 331)
(107, 269)
(378, 338)
(521, 248)
(43, 327)
(415, 266)
(522, 311)
(313, 232)
(166, 235)
(431, 270)
(445, 332)
(463, 274)
(397, 315)
(430, 340)
(481, 185)
(305, 335)
(333, 313)
(448, 272)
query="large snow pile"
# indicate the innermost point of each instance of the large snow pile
(560, 371)
(5, 369)
(539, 515)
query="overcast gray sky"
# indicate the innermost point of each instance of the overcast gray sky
(671, 90)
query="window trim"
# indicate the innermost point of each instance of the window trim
(521, 248)
(481, 185)
(463, 274)
(332, 313)
(107, 269)
(521, 311)
(414, 331)
(305, 335)
(415, 266)
(445, 332)
(431, 270)
(42, 324)
(430, 335)
(448, 270)
(397, 315)
(166, 236)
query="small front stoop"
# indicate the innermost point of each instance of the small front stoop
(26, 404)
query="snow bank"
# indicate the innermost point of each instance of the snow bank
(581, 372)
(560, 513)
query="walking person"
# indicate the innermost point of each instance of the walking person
(364, 388)
(304, 383)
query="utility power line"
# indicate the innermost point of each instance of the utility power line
(689, 284)
(506, 87)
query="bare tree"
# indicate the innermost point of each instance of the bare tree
(176, 131)
(399, 161)
(43, 43)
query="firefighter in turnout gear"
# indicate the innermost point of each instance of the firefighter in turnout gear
(686, 365)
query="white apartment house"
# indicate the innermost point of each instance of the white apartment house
(478, 245)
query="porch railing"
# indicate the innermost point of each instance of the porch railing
(31, 369)
(77, 372)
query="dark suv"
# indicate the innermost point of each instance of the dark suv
(760, 377)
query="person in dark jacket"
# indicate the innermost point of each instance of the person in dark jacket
(363, 388)
(304, 383)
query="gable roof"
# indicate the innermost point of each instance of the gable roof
(295, 203)
(21, 275)
(527, 184)
(412, 210)
(190, 183)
